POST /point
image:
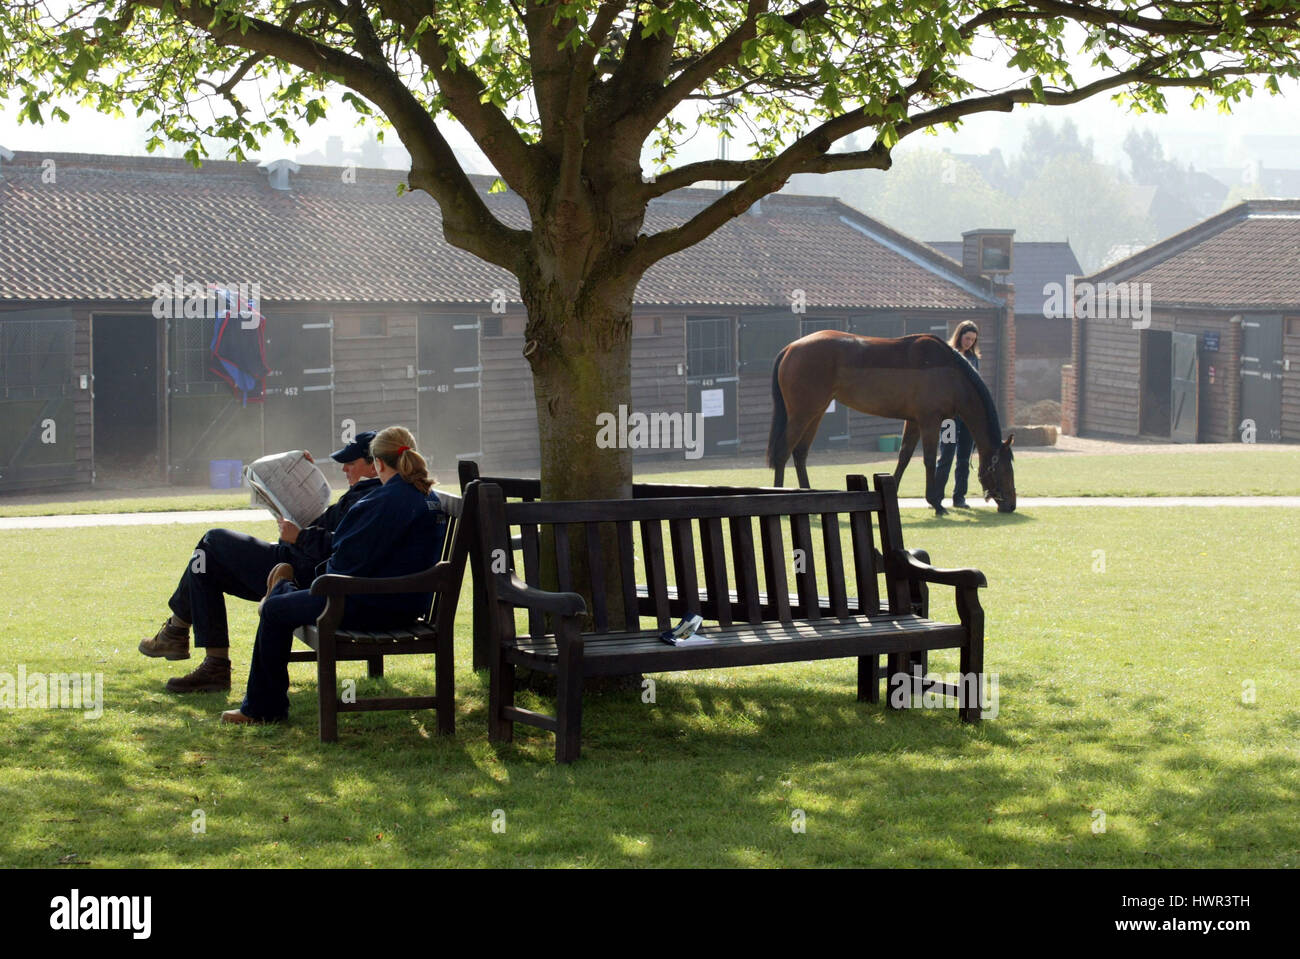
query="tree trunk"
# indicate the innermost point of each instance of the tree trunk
(581, 376)
(581, 362)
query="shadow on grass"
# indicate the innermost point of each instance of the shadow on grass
(711, 773)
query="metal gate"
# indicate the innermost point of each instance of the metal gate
(711, 380)
(299, 407)
(449, 389)
(38, 437)
(1184, 398)
(1261, 377)
(833, 433)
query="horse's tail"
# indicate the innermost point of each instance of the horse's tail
(777, 450)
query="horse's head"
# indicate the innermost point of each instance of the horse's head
(998, 478)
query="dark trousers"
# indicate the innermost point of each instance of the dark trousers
(224, 563)
(962, 450)
(267, 695)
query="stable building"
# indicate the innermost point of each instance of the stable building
(372, 318)
(1196, 339)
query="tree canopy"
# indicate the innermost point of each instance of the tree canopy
(540, 85)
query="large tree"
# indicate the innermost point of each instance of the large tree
(564, 99)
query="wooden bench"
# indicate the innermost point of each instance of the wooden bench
(432, 633)
(562, 639)
(529, 489)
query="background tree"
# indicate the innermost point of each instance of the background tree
(563, 96)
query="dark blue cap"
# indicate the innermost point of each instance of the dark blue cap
(358, 448)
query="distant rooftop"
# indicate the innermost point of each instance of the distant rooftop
(1245, 257)
(110, 228)
(1034, 265)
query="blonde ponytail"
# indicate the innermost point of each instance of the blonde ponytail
(396, 447)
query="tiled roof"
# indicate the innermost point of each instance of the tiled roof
(1247, 257)
(1034, 265)
(110, 228)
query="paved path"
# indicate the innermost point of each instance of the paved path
(220, 517)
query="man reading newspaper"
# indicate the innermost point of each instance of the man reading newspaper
(236, 564)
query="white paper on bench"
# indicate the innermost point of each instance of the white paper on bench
(290, 486)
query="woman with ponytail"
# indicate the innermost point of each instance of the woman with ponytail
(396, 530)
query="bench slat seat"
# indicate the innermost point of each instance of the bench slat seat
(744, 644)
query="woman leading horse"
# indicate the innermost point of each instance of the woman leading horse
(919, 379)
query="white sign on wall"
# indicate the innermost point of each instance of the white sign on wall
(711, 403)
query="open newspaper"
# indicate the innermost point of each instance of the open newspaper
(290, 486)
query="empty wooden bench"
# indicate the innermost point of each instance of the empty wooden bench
(431, 634)
(562, 638)
(529, 489)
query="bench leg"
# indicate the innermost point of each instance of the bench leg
(375, 666)
(327, 687)
(899, 687)
(568, 729)
(501, 693)
(868, 679)
(444, 686)
(972, 654)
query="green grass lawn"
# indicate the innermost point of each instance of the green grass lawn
(1119, 691)
(1233, 472)
(131, 504)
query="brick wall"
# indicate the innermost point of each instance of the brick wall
(1069, 400)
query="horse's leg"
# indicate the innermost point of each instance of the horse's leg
(800, 455)
(911, 433)
(930, 454)
(802, 434)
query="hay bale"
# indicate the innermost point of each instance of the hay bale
(1035, 435)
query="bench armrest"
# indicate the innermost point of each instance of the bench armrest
(904, 563)
(435, 579)
(518, 593)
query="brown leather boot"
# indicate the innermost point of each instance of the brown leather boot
(212, 676)
(170, 642)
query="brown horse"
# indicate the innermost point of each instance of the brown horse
(919, 378)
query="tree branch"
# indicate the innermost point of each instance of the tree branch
(804, 154)
(467, 222)
(463, 90)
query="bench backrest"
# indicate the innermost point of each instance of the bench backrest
(591, 546)
(455, 550)
(529, 489)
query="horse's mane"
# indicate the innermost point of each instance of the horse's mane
(982, 391)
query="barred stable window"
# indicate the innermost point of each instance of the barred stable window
(710, 346)
(35, 357)
(190, 361)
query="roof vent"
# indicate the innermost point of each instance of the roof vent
(278, 171)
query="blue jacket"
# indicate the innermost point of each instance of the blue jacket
(316, 541)
(394, 531)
